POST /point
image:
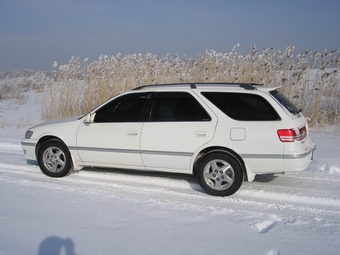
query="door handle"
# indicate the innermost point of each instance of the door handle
(131, 133)
(201, 134)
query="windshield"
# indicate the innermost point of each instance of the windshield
(285, 102)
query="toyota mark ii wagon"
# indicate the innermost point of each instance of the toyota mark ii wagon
(222, 133)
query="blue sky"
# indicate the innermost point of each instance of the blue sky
(35, 33)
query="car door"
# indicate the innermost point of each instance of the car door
(112, 139)
(253, 132)
(177, 128)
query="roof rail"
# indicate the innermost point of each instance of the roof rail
(192, 85)
(246, 86)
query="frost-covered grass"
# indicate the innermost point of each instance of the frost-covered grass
(19, 92)
(13, 85)
(310, 79)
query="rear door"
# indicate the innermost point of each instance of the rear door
(177, 127)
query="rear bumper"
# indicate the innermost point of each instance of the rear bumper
(299, 161)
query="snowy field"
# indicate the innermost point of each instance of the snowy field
(98, 211)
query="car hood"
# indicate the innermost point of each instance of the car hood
(59, 121)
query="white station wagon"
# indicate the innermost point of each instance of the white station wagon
(223, 133)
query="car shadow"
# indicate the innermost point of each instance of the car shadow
(32, 162)
(190, 179)
(265, 178)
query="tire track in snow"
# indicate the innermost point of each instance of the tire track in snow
(175, 189)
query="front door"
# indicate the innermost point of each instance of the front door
(113, 138)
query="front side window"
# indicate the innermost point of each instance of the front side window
(127, 108)
(177, 106)
(241, 106)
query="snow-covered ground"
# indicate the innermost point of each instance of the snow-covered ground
(99, 211)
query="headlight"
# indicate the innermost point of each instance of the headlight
(28, 134)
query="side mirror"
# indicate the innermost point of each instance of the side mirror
(89, 118)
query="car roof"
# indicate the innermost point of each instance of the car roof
(208, 86)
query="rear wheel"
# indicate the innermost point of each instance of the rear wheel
(219, 174)
(54, 159)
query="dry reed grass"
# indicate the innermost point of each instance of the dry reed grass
(309, 79)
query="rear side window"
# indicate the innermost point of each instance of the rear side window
(177, 106)
(245, 107)
(285, 102)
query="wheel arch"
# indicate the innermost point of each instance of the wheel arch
(44, 139)
(228, 151)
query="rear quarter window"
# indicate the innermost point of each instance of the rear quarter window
(285, 102)
(244, 107)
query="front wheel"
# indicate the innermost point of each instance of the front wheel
(219, 174)
(54, 159)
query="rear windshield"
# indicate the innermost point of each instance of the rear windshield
(285, 102)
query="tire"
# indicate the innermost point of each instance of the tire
(219, 174)
(54, 159)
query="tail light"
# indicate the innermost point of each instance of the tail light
(292, 134)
